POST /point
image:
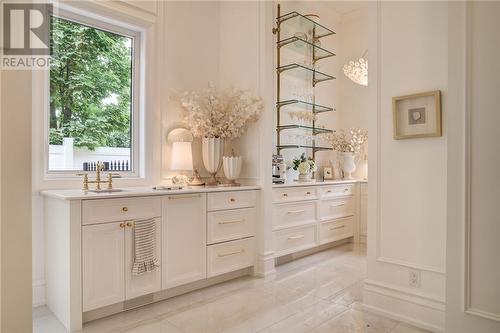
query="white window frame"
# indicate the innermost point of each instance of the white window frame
(137, 94)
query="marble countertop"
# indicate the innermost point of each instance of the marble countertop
(137, 192)
(319, 183)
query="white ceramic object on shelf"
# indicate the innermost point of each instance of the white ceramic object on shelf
(212, 151)
(232, 168)
(305, 177)
(348, 164)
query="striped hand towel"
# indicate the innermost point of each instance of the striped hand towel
(144, 238)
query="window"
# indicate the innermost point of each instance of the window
(92, 107)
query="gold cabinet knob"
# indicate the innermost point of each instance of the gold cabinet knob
(308, 193)
(122, 225)
(329, 191)
(130, 224)
(285, 195)
(232, 199)
(125, 209)
(346, 189)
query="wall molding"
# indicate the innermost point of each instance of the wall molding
(467, 272)
(38, 293)
(410, 306)
(408, 264)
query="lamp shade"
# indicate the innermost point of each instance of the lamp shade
(181, 156)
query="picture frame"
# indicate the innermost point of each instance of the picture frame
(327, 173)
(417, 115)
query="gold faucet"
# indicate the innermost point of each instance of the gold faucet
(97, 181)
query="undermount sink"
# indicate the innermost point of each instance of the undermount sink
(107, 190)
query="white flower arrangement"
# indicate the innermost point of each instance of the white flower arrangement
(304, 165)
(216, 114)
(352, 142)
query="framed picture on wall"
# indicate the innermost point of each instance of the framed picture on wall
(417, 115)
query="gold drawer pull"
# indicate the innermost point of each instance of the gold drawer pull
(231, 253)
(308, 193)
(295, 211)
(233, 221)
(295, 237)
(175, 197)
(329, 191)
(124, 209)
(339, 227)
(284, 195)
(232, 199)
(130, 224)
(337, 205)
(122, 225)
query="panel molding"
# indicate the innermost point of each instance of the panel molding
(467, 273)
(378, 222)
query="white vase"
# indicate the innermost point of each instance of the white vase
(305, 177)
(348, 165)
(232, 168)
(212, 150)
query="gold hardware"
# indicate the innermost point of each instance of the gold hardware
(231, 253)
(85, 180)
(184, 196)
(97, 181)
(125, 209)
(285, 195)
(295, 237)
(122, 225)
(346, 189)
(329, 191)
(232, 199)
(130, 224)
(233, 221)
(339, 227)
(338, 205)
(295, 211)
(308, 193)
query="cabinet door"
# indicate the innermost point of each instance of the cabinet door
(185, 239)
(145, 283)
(102, 265)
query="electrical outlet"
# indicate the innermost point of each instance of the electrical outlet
(414, 278)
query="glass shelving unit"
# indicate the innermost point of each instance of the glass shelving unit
(311, 50)
(305, 106)
(304, 47)
(301, 23)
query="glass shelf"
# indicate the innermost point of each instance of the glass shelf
(314, 130)
(304, 47)
(303, 23)
(315, 108)
(315, 148)
(305, 73)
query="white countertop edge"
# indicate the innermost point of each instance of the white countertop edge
(137, 192)
(320, 183)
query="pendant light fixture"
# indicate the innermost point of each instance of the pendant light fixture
(357, 70)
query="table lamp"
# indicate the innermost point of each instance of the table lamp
(181, 157)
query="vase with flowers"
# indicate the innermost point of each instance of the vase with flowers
(216, 116)
(305, 166)
(348, 146)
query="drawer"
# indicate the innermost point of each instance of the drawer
(231, 200)
(111, 210)
(336, 190)
(336, 230)
(230, 256)
(335, 208)
(293, 214)
(228, 225)
(294, 194)
(296, 239)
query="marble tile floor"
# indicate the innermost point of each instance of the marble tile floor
(318, 293)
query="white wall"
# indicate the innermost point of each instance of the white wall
(354, 100)
(15, 201)
(407, 215)
(473, 269)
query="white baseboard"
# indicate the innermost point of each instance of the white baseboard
(264, 265)
(38, 293)
(401, 304)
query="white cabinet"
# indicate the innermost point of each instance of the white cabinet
(103, 265)
(145, 283)
(363, 213)
(184, 239)
(107, 259)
